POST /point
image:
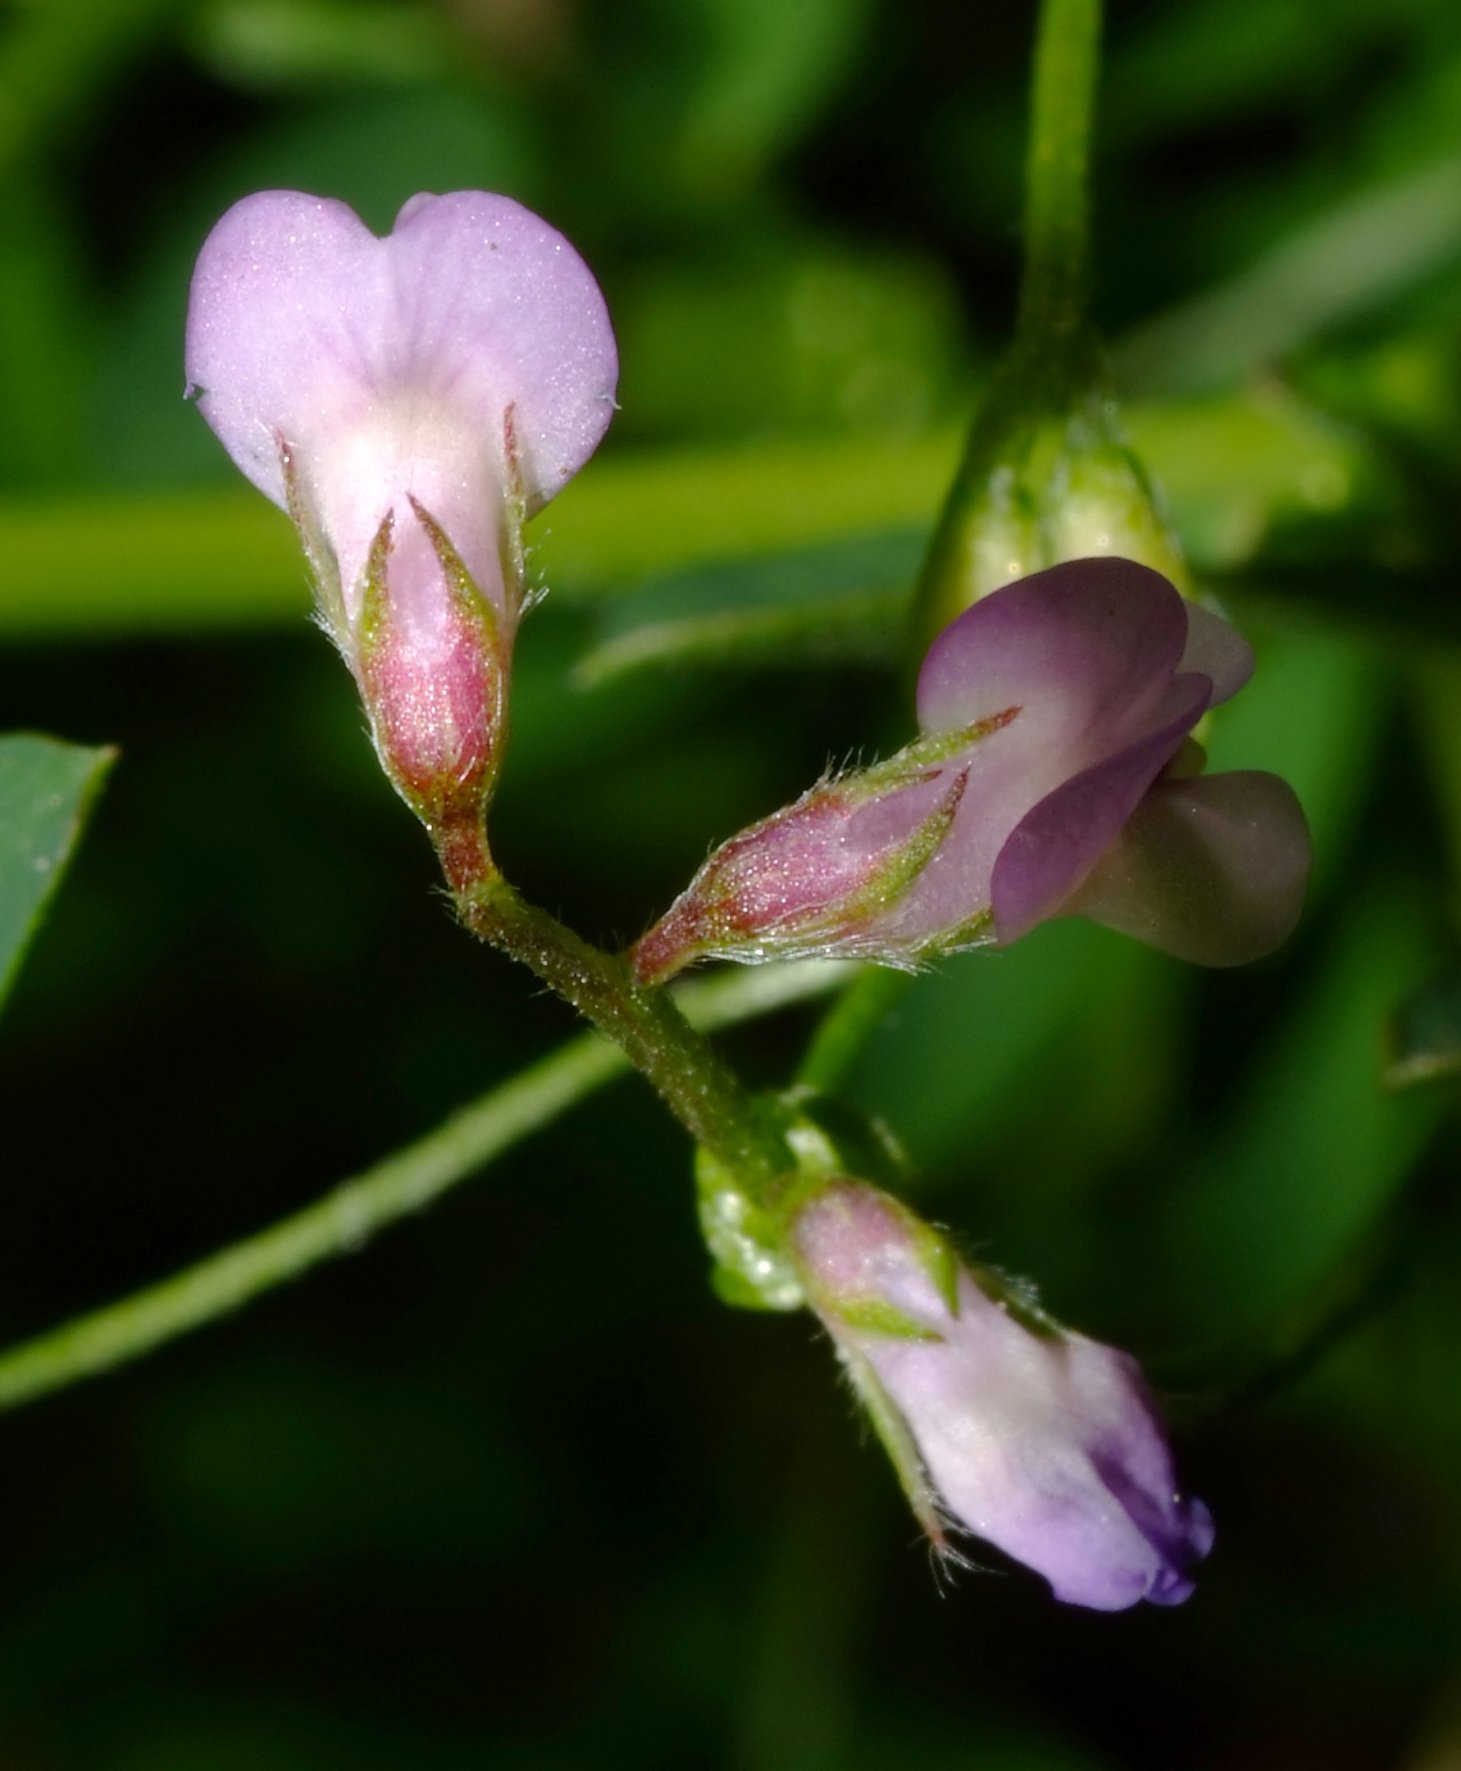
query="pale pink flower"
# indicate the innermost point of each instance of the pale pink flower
(409, 401)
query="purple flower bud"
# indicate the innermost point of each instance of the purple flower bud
(409, 401)
(1054, 778)
(1000, 1423)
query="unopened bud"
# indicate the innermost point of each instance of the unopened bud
(1001, 1424)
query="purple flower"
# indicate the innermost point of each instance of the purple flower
(409, 401)
(1055, 777)
(1000, 1423)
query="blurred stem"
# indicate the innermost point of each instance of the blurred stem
(848, 1025)
(1057, 178)
(796, 1704)
(1053, 358)
(744, 1132)
(345, 1218)
(1051, 362)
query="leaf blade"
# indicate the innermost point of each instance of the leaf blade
(47, 789)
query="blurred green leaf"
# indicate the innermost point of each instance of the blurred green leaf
(860, 627)
(1236, 472)
(1242, 472)
(840, 603)
(1293, 1174)
(56, 56)
(686, 103)
(766, 67)
(776, 334)
(1435, 684)
(1072, 1013)
(1424, 1035)
(46, 792)
(45, 340)
(1340, 268)
(282, 43)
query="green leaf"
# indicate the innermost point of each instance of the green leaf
(1313, 1154)
(1424, 1036)
(860, 627)
(46, 791)
(1355, 259)
(1235, 472)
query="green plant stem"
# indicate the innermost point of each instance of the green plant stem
(1052, 313)
(1053, 357)
(848, 1025)
(744, 1132)
(351, 1213)
(1051, 362)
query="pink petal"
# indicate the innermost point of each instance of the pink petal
(506, 311)
(1083, 648)
(1212, 870)
(390, 365)
(1057, 843)
(1216, 650)
(271, 324)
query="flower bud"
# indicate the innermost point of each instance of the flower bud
(1057, 489)
(1001, 1424)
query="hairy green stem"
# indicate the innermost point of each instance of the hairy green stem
(351, 1213)
(744, 1132)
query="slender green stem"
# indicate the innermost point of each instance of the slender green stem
(345, 1218)
(848, 1025)
(1051, 363)
(1057, 176)
(744, 1132)
(1053, 357)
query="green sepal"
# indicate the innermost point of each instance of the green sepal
(319, 555)
(915, 762)
(939, 1259)
(734, 1288)
(895, 1438)
(975, 931)
(470, 602)
(1020, 1299)
(515, 514)
(753, 1268)
(850, 1141)
(370, 623)
(876, 1316)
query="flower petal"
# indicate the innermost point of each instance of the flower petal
(390, 365)
(1216, 650)
(270, 340)
(1057, 843)
(1083, 648)
(503, 306)
(1212, 870)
